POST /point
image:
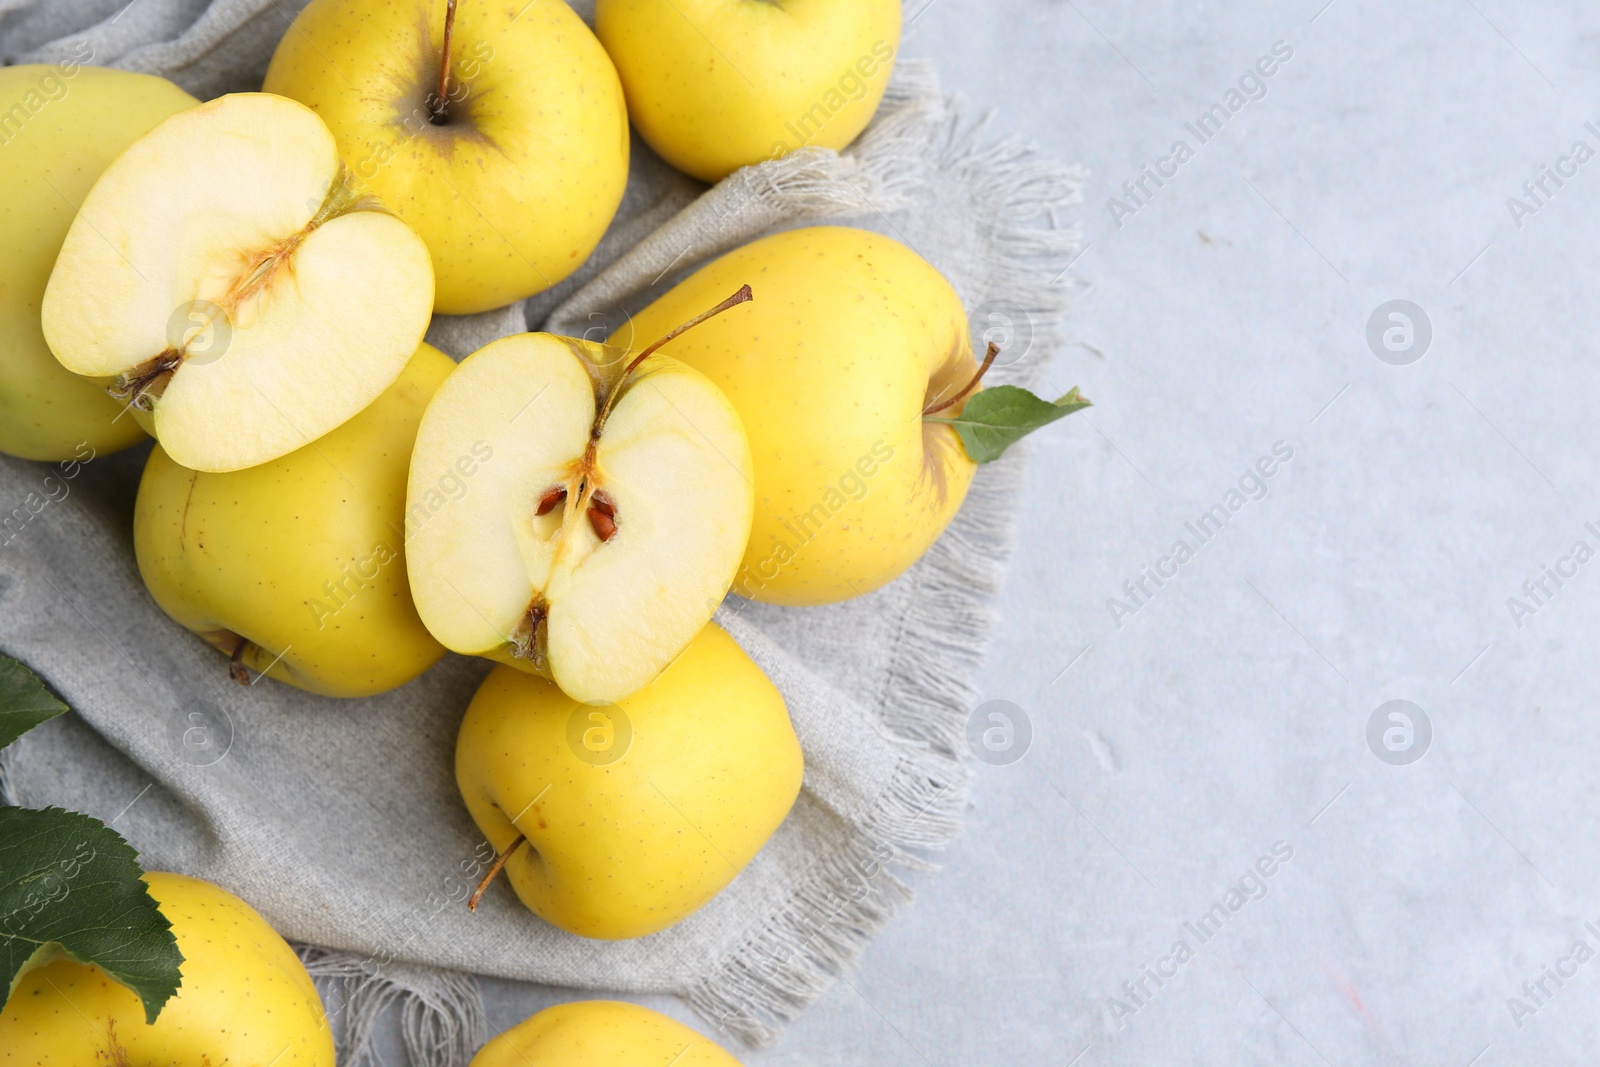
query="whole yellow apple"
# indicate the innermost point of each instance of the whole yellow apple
(245, 998)
(715, 85)
(618, 820)
(590, 1033)
(850, 338)
(510, 166)
(296, 567)
(60, 126)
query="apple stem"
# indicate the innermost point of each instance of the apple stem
(988, 361)
(494, 869)
(236, 668)
(441, 100)
(735, 300)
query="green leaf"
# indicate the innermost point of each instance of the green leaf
(997, 418)
(24, 701)
(70, 885)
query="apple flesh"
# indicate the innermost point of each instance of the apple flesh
(226, 279)
(512, 173)
(608, 527)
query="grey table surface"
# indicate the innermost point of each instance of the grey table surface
(1430, 909)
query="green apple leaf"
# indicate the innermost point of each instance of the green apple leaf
(70, 886)
(24, 701)
(997, 418)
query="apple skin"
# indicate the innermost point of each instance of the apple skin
(245, 998)
(591, 1032)
(715, 85)
(47, 168)
(849, 337)
(304, 553)
(626, 848)
(515, 191)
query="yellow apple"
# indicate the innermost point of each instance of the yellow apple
(637, 813)
(589, 1033)
(245, 998)
(60, 126)
(512, 173)
(715, 85)
(610, 526)
(225, 281)
(297, 567)
(850, 338)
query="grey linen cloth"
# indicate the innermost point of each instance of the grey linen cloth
(340, 820)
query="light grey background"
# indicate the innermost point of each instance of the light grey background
(1230, 712)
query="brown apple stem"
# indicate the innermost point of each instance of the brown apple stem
(236, 668)
(988, 361)
(735, 300)
(494, 869)
(441, 100)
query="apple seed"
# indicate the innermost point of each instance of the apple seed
(602, 515)
(552, 498)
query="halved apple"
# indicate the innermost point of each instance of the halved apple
(604, 531)
(242, 300)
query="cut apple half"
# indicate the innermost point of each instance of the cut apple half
(236, 293)
(600, 536)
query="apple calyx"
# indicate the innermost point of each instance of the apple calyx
(529, 639)
(142, 385)
(494, 869)
(439, 107)
(988, 361)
